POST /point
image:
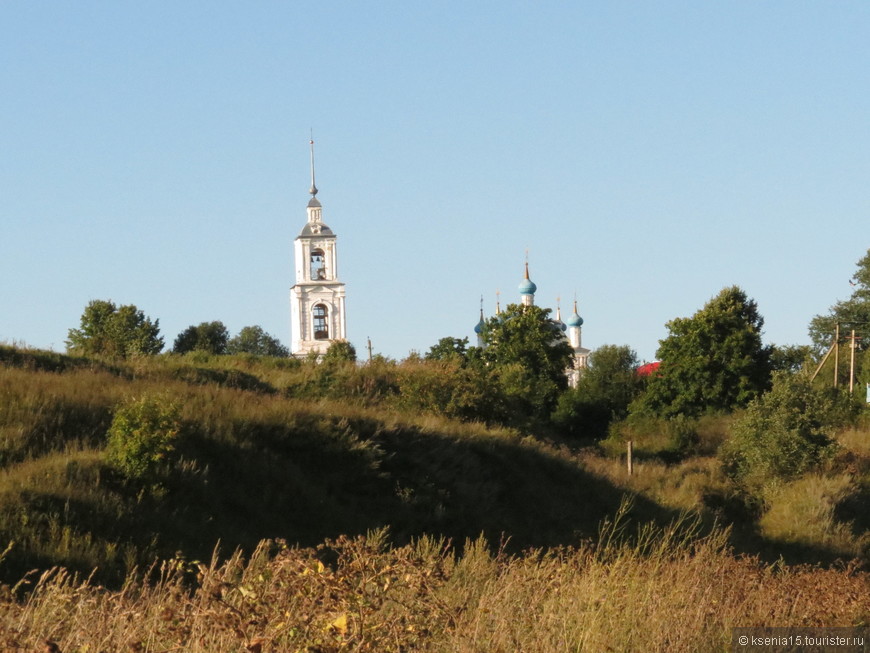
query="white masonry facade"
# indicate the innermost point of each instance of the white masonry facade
(317, 299)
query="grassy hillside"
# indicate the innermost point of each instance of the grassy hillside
(262, 454)
(276, 448)
(343, 518)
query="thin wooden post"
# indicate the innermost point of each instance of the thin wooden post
(852, 365)
(836, 353)
(629, 460)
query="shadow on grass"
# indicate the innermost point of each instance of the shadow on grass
(307, 485)
(734, 511)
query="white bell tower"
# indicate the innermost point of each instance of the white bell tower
(317, 298)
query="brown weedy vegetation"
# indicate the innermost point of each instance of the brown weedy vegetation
(668, 591)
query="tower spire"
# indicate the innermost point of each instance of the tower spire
(527, 287)
(313, 189)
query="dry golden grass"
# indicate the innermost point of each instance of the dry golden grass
(803, 512)
(856, 440)
(679, 486)
(667, 592)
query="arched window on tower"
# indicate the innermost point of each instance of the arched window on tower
(321, 322)
(318, 265)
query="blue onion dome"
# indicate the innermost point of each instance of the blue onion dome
(575, 320)
(562, 325)
(527, 287)
(479, 326)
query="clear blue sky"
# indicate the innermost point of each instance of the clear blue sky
(646, 154)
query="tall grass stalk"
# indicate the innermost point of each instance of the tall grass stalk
(666, 590)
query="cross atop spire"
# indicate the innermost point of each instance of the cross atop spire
(527, 287)
(313, 189)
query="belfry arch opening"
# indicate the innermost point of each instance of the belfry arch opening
(317, 265)
(321, 322)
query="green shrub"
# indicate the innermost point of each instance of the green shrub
(142, 434)
(340, 351)
(445, 387)
(667, 438)
(682, 434)
(782, 434)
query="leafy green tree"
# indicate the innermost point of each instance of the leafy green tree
(853, 313)
(209, 337)
(449, 349)
(783, 433)
(114, 332)
(528, 354)
(791, 358)
(712, 361)
(253, 340)
(603, 393)
(340, 351)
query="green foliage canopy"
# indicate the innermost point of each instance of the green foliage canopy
(712, 361)
(254, 340)
(209, 337)
(450, 388)
(783, 433)
(449, 349)
(528, 353)
(791, 358)
(603, 393)
(340, 351)
(114, 332)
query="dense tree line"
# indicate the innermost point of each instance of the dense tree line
(711, 362)
(110, 331)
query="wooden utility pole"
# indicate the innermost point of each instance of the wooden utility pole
(852, 364)
(370, 348)
(836, 353)
(628, 459)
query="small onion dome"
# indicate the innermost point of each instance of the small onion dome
(575, 320)
(562, 325)
(479, 326)
(527, 287)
